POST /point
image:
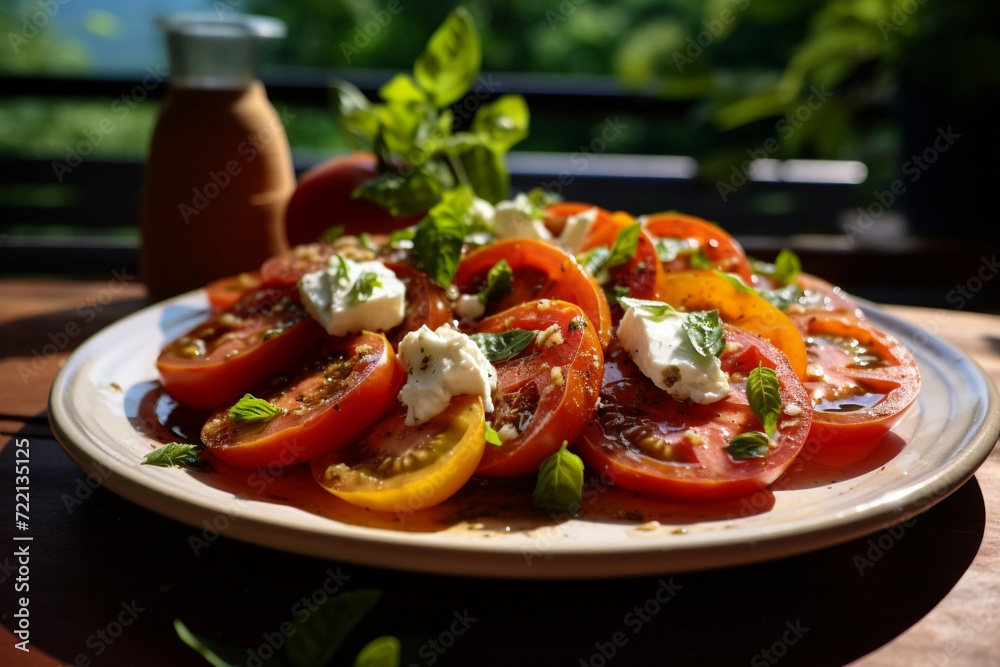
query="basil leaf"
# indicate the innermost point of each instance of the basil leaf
(699, 260)
(402, 89)
(503, 122)
(317, 636)
(594, 259)
(365, 241)
(540, 199)
(379, 652)
(487, 173)
(450, 63)
(560, 482)
(498, 347)
(363, 288)
(216, 653)
(438, 239)
(253, 409)
(735, 282)
(760, 267)
(356, 116)
(655, 310)
(749, 445)
(764, 397)
(499, 283)
(400, 196)
(331, 234)
(398, 237)
(176, 455)
(492, 437)
(625, 246)
(787, 266)
(783, 297)
(704, 329)
(342, 272)
(669, 249)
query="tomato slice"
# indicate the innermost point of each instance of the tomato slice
(721, 249)
(654, 444)
(400, 468)
(704, 290)
(548, 391)
(824, 297)
(541, 271)
(860, 379)
(337, 393)
(225, 293)
(287, 268)
(426, 303)
(643, 275)
(557, 214)
(221, 359)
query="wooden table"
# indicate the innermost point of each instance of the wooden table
(932, 598)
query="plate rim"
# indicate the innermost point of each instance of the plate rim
(427, 553)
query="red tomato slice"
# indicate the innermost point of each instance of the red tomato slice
(426, 303)
(287, 268)
(643, 275)
(654, 444)
(825, 297)
(400, 468)
(221, 359)
(860, 379)
(541, 271)
(337, 393)
(548, 391)
(225, 293)
(722, 250)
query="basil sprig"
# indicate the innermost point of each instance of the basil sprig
(253, 409)
(749, 445)
(622, 250)
(704, 329)
(438, 238)
(560, 482)
(764, 397)
(498, 347)
(175, 454)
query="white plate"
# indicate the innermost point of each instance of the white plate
(948, 433)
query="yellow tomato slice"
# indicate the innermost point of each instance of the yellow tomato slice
(704, 290)
(400, 468)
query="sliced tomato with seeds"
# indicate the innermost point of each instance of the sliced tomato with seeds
(221, 359)
(399, 468)
(546, 393)
(860, 379)
(334, 395)
(642, 276)
(225, 293)
(722, 250)
(426, 303)
(540, 271)
(651, 443)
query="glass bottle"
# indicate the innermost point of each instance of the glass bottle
(219, 172)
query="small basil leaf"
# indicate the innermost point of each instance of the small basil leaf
(253, 409)
(438, 239)
(787, 266)
(503, 122)
(625, 246)
(492, 437)
(668, 249)
(749, 445)
(317, 636)
(704, 329)
(363, 288)
(764, 397)
(699, 260)
(498, 347)
(594, 259)
(331, 234)
(365, 241)
(379, 652)
(735, 282)
(560, 482)
(499, 283)
(656, 310)
(175, 454)
(398, 237)
(541, 199)
(783, 297)
(450, 63)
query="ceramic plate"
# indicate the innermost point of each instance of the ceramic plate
(945, 436)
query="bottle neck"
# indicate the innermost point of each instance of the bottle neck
(213, 57)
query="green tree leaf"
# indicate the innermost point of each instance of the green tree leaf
(451, 61)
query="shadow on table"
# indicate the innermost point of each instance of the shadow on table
(828, 607)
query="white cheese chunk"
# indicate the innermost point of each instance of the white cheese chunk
(515, 219)
(663, 352)
(442, 364)
(332, 298)
(575, 230)
(468, 307)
